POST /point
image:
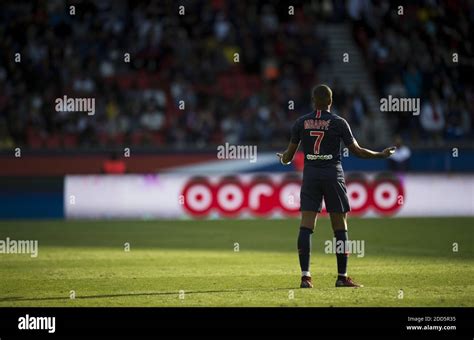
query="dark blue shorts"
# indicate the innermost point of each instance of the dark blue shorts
(333, 191)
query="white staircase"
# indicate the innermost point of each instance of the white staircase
(350, 74)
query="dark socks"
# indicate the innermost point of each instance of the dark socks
(304, 248)
(341, 236)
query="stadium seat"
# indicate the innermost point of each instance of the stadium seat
(137, 138)
(53, 141)
(118, 138)
(125, 82)
(157, 138)
(70, 140)
(34, 138)
(103, 139)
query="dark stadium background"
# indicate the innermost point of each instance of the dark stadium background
(190, 58)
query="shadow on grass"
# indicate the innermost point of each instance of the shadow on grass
(58, 298)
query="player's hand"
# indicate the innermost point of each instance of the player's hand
(280, 156)
(389, 151)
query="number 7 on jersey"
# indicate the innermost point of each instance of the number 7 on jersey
(319, 138)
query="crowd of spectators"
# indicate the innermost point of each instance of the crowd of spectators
(191, 76)
(423, 49)
(211, 72)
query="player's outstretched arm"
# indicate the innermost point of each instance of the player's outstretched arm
(360, 152)
(287, 156)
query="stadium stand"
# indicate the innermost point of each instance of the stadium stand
(190, 59)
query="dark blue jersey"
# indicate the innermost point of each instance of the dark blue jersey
(321, 134)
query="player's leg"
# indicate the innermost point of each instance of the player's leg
(308, 219)
(339, 226)
(311, 203)
(337, 204)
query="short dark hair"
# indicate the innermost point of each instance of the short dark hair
(321, 96)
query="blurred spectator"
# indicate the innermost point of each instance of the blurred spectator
(432, 117)
(396, 89)
(458, 121)
(358, 108)
(413, 81)
(6, 141)
(153, 118)
(400, 160)
(114, 165)
(370, 130)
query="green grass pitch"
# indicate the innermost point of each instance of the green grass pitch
(194, 263)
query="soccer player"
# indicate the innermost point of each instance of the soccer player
(320, 133)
